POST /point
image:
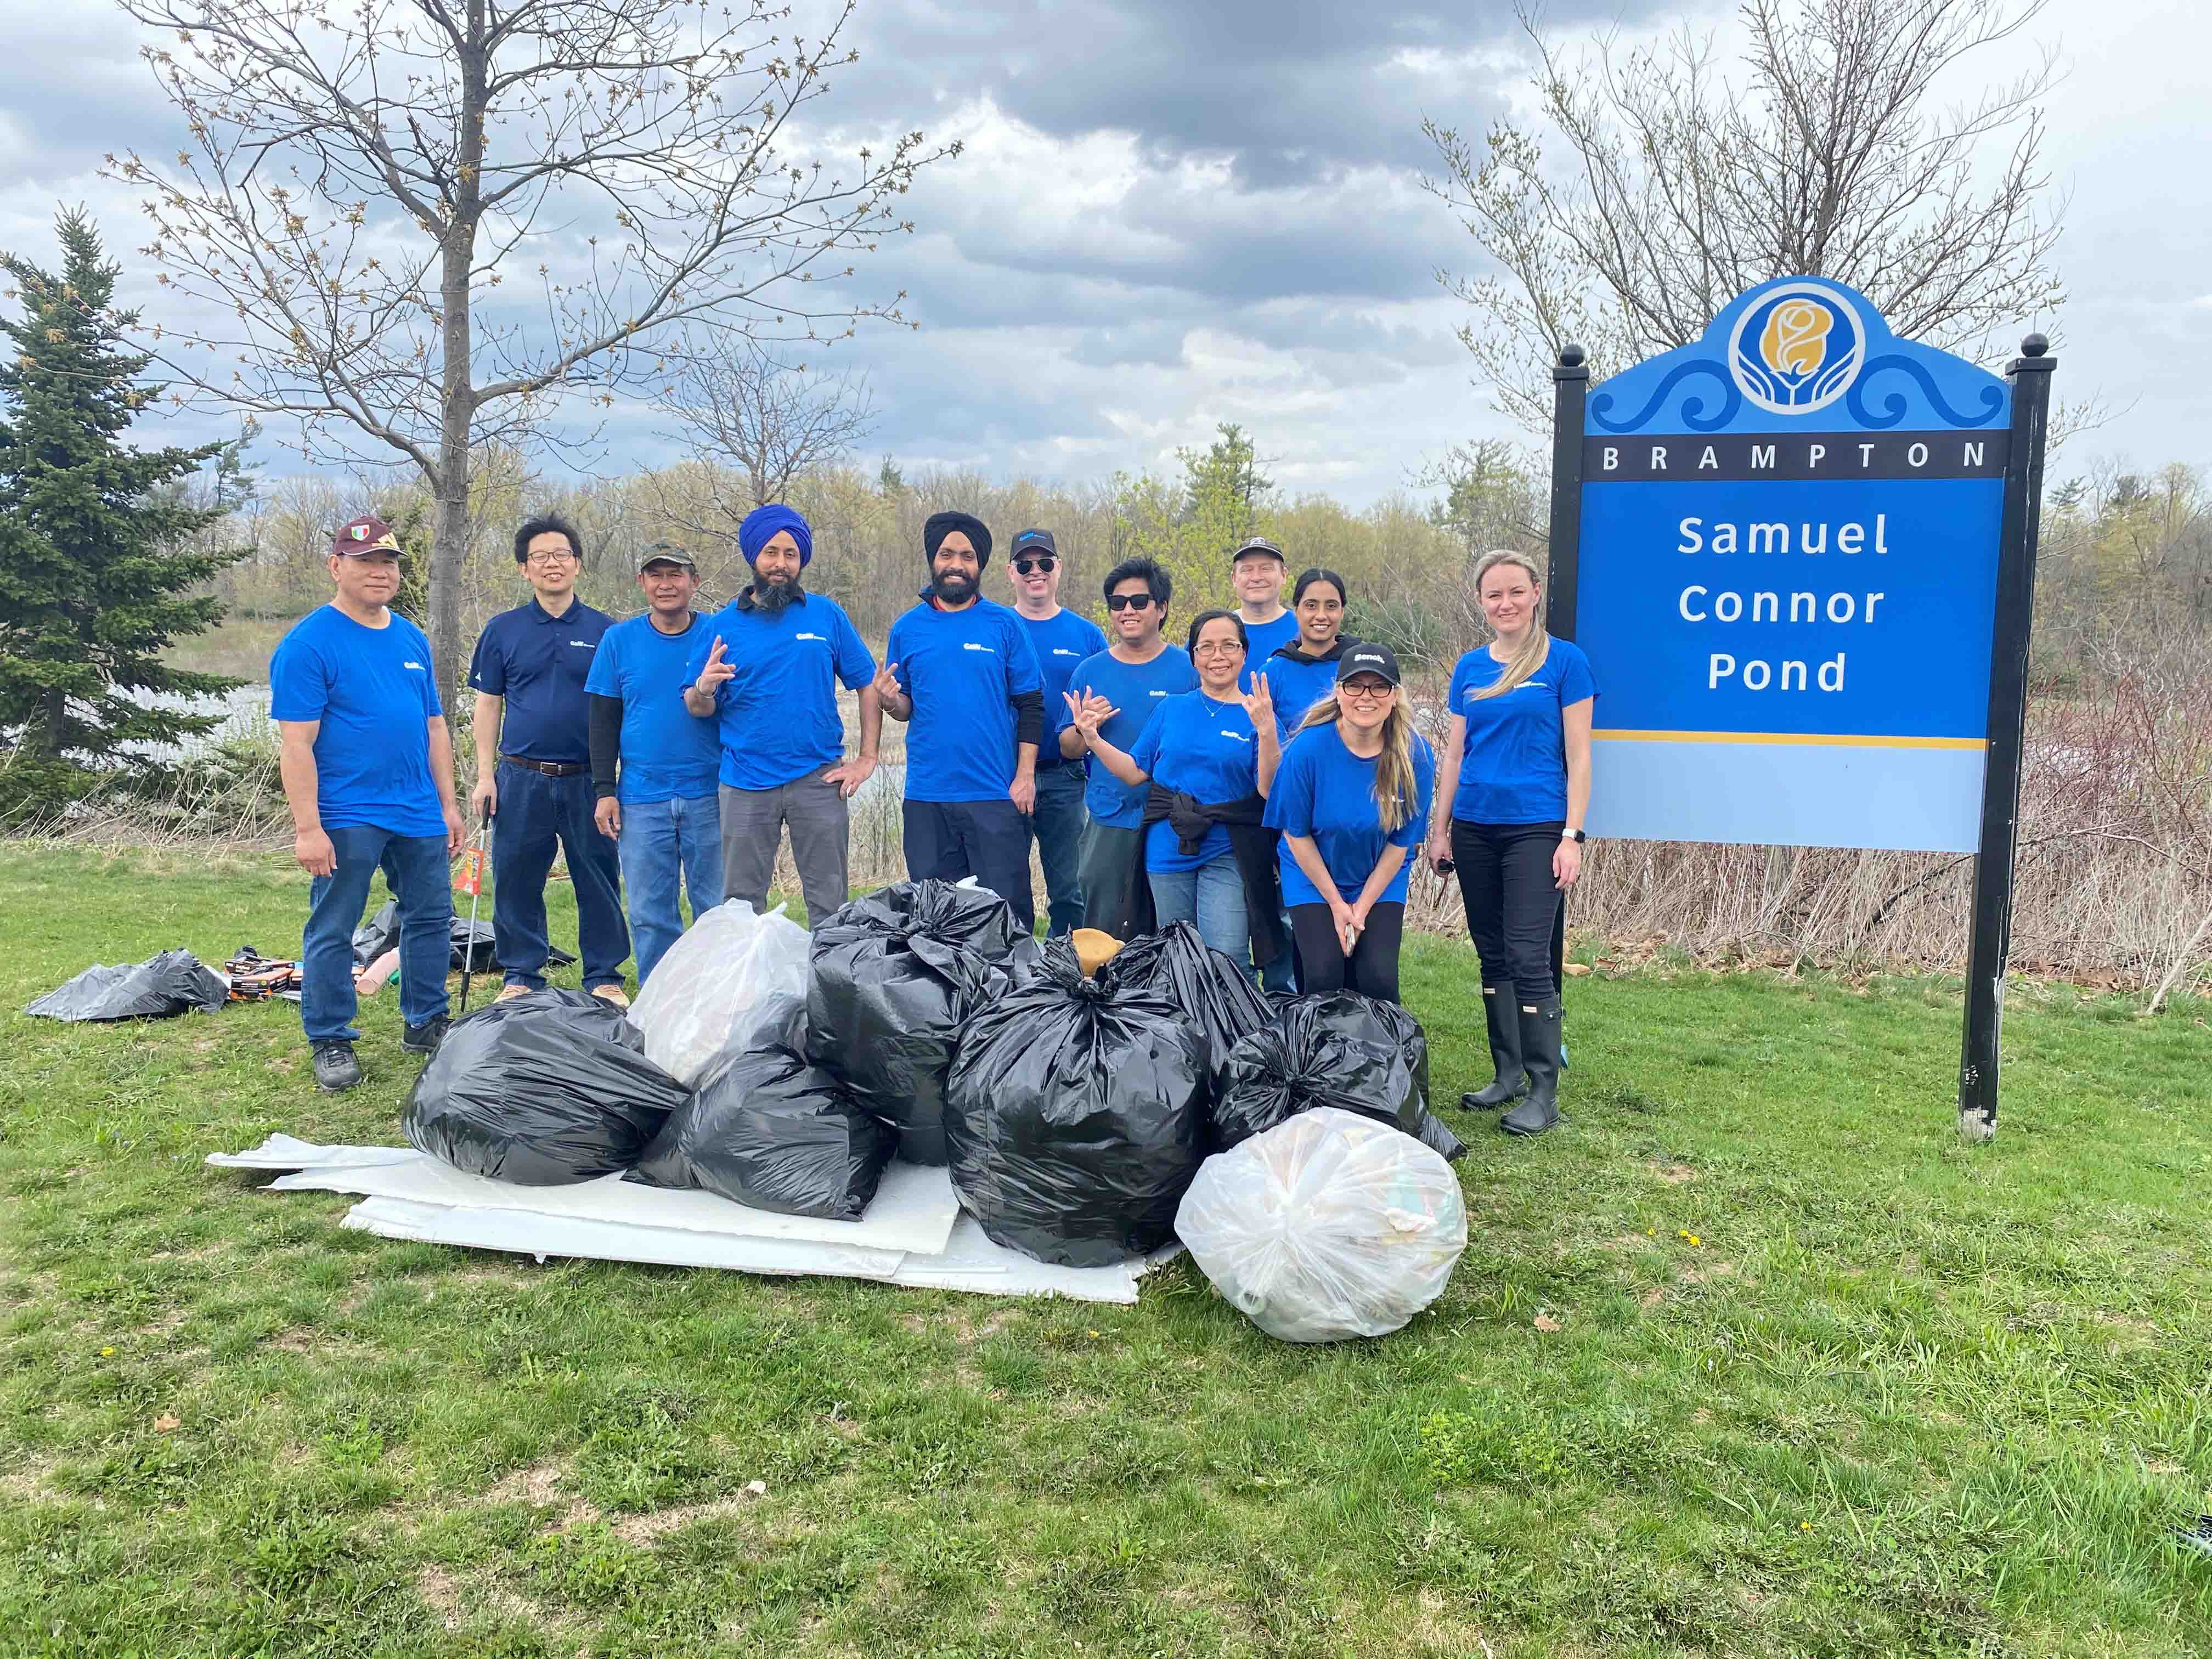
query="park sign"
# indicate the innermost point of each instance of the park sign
(1799, 553)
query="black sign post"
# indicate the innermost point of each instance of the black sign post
(1991, 939)
(1569, 388)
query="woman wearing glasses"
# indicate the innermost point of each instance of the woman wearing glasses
(1352, 800)
(1516, 770)
(1205, 759)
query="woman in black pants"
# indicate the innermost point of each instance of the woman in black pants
(1516, 771)
(1352, 799)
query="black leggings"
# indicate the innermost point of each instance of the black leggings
(1371, 969)
(1512, 905)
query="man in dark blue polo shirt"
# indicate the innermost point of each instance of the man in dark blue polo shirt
(653, 765)
(368, 767)
(961, 669)
(1061, 640)
(534, 767)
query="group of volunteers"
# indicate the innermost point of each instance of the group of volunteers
(1263, 780)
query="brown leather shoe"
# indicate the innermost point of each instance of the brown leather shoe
(613, 993)
(509, 993)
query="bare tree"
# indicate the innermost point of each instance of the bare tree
(1682, 188)
(359, 184)
(771, 420)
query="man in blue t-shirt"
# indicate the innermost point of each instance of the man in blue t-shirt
(653, 765)
(368, 767)
(961, 669)
(1061, 640)
(1128, 680)
(534, 767)
(765, 671)
(1256, 568)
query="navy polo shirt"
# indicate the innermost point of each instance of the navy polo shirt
(538, 663)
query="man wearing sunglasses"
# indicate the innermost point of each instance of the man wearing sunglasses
(367, 767)
(1062, 640)
(1127, 682)
(534, 767)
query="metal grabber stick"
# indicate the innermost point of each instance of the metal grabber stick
(475, 881)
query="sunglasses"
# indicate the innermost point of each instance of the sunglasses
(1045, 562)
(1128, 601)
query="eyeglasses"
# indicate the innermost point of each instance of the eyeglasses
(1365, 690)
(1217, 648)
(1128, 601)
(1045, 562)
(542, 560)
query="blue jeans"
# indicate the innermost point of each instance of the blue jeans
(666, 845)
(1057, 825)
(534, 812)
(416, 869)
(1212, 896)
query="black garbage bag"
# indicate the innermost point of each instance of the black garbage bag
(1076, 1115)
(1339, 1049)
(891, 978)
(381, 932)
(542, 1091)
(771, 1130)
(174, 982)
(1213, 991)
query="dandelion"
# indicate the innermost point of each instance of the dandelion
(108, 1354)
(1804, 1526)
(1093, 1334)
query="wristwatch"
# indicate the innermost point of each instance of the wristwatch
(1574, 835)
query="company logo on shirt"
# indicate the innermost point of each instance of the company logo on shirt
(1475, 691)
(1237, 737)
(817, 638)
(417, 666)
(1062, 650)
(582, 644)
(1156, 693)
(970, 645)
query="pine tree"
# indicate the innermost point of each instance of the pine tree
(97, 553)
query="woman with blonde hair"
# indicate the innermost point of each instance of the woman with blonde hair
(1351, 797)
(1516, 772)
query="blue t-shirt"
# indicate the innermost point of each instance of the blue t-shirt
(1262, 639)
(962, 668)
(1061, 644)
(538, 663)
(1514, 768)
(1297, 687)
(666, 753)
(1134, 690)
(1325, 792)
(779, 712)
(373, 691)
(1208, 751)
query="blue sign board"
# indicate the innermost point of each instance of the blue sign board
(1788, 579)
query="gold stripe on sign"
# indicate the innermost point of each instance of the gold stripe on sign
(1819, 740)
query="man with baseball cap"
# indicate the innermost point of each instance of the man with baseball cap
(367, 767)
(1062, 640)
(961, 671)
(653, 765)
(534, 767)
(762, 680)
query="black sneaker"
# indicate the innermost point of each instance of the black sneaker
(335, 1066)
(424, 1039)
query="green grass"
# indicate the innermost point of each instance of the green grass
(1900, 1396)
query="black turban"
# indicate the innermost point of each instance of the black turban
(941, 524)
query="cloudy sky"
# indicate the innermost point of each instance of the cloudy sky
(1172, 213)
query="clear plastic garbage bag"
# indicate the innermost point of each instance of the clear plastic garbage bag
(1329, 1225)
(735, 981)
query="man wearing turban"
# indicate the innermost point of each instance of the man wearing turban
(961, 671)
(767, 669)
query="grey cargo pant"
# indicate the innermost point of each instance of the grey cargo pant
(753, 822)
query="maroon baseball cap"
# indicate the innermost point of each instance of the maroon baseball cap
(362, 536)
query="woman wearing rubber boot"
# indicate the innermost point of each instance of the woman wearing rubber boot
(1516, 771)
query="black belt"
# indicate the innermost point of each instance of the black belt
(551, 768)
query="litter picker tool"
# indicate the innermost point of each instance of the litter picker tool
(471, 881)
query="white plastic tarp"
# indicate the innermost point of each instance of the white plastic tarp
(913, 1234)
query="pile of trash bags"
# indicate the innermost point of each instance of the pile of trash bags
(471, 941)
(1092, 1104)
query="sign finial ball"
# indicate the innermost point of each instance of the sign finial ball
(1572, 355)
(2034, 345)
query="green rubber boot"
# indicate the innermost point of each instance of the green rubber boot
(1503, 1017)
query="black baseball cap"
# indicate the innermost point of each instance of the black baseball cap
(1034, 541)
(1252, 545)
(667, 553)
(1368, 659)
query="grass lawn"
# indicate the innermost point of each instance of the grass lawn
(1754, 1357)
